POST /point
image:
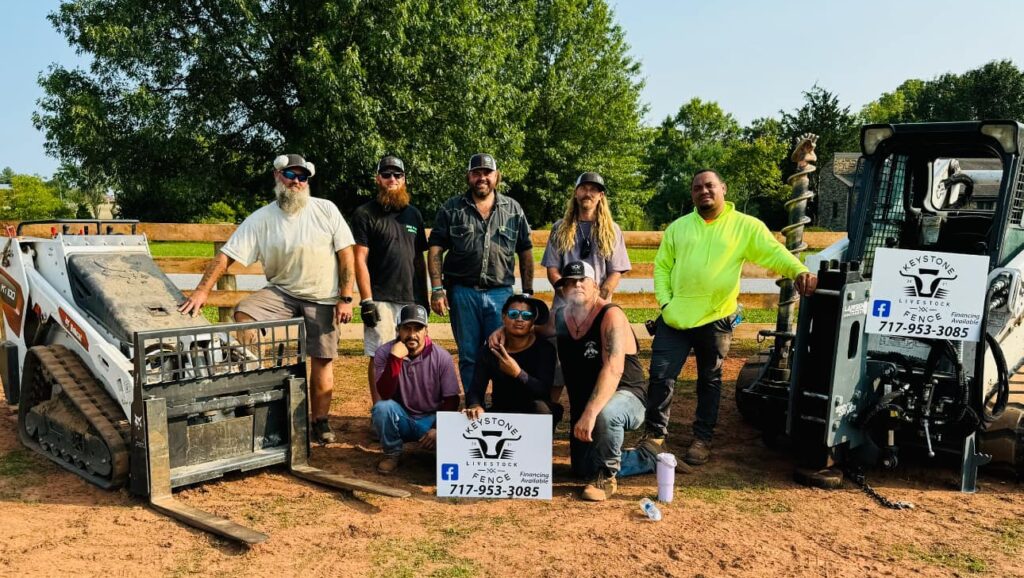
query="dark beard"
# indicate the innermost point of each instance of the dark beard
(393, 200)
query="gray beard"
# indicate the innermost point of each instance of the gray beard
(291, 202)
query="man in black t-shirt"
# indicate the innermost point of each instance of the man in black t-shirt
(390, 268)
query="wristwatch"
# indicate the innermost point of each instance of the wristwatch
(346, 299)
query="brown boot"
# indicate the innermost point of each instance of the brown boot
(655, 446)
(599, 490)
(698, 453)
(388, 464)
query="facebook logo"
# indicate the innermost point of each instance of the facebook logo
(450, 472)
(881, 308)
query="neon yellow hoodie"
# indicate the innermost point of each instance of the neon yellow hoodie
(698, 265)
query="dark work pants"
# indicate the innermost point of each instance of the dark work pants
(710, 343)
(535, 406)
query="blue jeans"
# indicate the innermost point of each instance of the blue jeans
(476, 313)
(394, 425)
(624, 411)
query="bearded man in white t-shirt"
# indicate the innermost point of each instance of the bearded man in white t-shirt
(305, 247)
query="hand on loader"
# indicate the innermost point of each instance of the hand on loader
(806, 283)
(193, 305)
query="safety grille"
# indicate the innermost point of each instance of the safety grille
(174, 355)
(886, 209)
(1017, 207)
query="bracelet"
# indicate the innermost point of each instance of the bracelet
(438, 289)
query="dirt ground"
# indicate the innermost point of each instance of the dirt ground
(739, 515)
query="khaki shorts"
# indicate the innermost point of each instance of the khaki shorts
(374, 337)
(270, 303)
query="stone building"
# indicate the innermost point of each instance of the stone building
(835, 191)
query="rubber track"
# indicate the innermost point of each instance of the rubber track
(63, 367)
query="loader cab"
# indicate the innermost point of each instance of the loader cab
(952, 187)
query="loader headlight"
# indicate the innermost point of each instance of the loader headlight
(871, 136)
(1003, 131)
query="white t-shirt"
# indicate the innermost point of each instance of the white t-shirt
(298, 252)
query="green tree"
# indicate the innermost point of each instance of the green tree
(31, 198)
(701, 135)
(587, 113)
(186, 103)
(821, 113)
(6, 175)
(992, 91)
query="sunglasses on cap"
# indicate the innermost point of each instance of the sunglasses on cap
(515, 314)
(294, 176)
(390, 175)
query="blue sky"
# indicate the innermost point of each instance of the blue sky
(754, 58)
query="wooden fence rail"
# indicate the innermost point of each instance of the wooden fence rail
(226, 296)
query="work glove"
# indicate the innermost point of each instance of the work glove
(368, 310)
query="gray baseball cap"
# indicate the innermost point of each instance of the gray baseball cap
(413, 314)
(294, 161)
(482, 161)
(390, 162)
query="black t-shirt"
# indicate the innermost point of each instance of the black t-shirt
(582, 362)
(513, 393)
(396, 241)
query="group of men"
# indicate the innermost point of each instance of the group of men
(510, 343)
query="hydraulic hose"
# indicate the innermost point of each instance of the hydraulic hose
(1002, 391)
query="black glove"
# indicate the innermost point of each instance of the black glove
(368, 310)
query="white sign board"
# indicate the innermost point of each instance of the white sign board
(925, 294)
(500, 455)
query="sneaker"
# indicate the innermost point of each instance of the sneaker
(388, 464)
(698, 453)
(322, 433)
(599, 490)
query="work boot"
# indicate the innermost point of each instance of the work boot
(599, 490)
(655, 446)
(322, 433)
(388, 464)
(698, 453)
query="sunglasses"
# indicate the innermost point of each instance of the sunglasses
(586, 249)
(294, 176)
(515, 314)
(391, 175)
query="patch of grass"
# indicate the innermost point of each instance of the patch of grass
(423, 557)
(17, 463)
(723, 487)
(943, 556)
(1010, 532)
(190, 562)
(180, 249)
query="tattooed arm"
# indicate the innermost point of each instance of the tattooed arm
(346, 266)
(194, 304)
(526, 270)
(615, 335)
(438, 299)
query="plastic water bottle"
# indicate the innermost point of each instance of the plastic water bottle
(650, 510)
(739, 315)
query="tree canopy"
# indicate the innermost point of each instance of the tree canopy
(185, 103)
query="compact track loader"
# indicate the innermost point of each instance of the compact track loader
(113, 384)
(849, 398)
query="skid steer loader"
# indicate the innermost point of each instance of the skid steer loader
(113, 384)
(918, 386)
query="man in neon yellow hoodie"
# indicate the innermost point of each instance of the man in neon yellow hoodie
(697, 282)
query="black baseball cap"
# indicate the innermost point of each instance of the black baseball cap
(591, 177)
(291, 161)
(390, 162)
(413, 314)
(482, 161)
(576, 270)
(540, 307)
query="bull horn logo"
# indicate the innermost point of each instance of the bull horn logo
(934, 289)
(485, 449)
